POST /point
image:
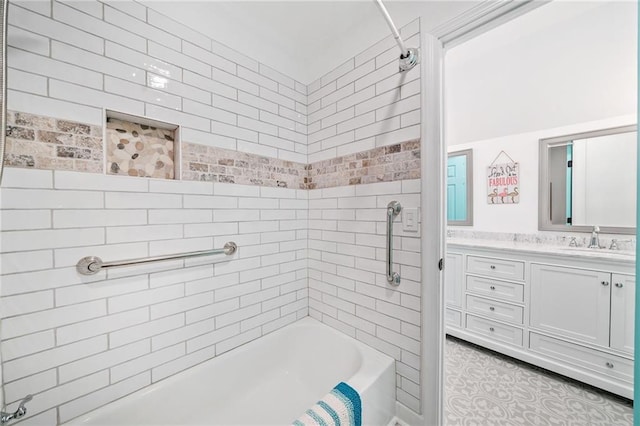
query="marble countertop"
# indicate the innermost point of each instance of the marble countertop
(581, 252)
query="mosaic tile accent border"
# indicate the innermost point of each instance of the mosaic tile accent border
(48, 143)
(39, 142)
(139, 150)
(206, 163)
(384, 164)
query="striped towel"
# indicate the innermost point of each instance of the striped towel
(340, 407)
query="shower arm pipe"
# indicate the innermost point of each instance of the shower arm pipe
(3, 83)
(404, 52)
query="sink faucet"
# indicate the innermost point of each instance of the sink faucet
(594, 242)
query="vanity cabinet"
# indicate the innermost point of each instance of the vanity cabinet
(569, 313)
(494, 306)
(453, 289)
(571, 302)
(454, 278)
(601, 305)
(623, 296)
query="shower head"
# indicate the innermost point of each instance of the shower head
(409, 59)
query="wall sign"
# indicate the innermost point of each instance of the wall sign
(503, 180)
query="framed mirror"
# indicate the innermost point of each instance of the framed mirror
(460, 188)
(589, 179)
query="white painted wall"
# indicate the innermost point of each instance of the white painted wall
(523, 148)
(565, 67)
(560, 64)
(303, 39)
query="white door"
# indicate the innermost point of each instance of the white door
(571, 302)
(623, 295)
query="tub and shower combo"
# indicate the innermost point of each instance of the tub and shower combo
(269, 381)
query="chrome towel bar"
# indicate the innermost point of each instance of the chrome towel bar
(393, 209)
(92, 264)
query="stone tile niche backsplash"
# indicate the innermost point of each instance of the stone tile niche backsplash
(39, 142)
(384, 164)
(212, 164)
(140, 150)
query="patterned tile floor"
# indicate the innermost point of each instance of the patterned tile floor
(485, 388)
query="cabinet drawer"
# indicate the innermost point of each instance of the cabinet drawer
(587, 358)
(495, 330)
(504, 290)
(498, 268)
(453, 317)
(494, 309)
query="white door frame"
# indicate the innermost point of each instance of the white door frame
(433, 229)
(483, 17)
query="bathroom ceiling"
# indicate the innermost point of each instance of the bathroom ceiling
(303, 39)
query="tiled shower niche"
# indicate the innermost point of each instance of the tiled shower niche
(138, 147)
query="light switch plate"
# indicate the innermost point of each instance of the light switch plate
(410, 219)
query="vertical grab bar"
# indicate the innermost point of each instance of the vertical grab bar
(393, 209)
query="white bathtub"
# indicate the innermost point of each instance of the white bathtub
(270, 381)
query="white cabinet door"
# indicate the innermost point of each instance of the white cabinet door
(453, 281)
(623, 294)
(571, 302)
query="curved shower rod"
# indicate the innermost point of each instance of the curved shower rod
(409, 56)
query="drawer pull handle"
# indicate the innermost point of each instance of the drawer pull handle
(610, 364)
(492, 329)
(605, 283)
(619, 285)
(492, 266)
(493, 287)
(491, 308)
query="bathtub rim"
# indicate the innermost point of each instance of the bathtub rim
(374, 365)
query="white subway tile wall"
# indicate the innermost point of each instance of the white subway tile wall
(84, 56)
(362, 105)
(66, 336)
(348, 289)
(81, 342)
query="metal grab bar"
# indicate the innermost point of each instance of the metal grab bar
(393, 209)
(93, 264)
